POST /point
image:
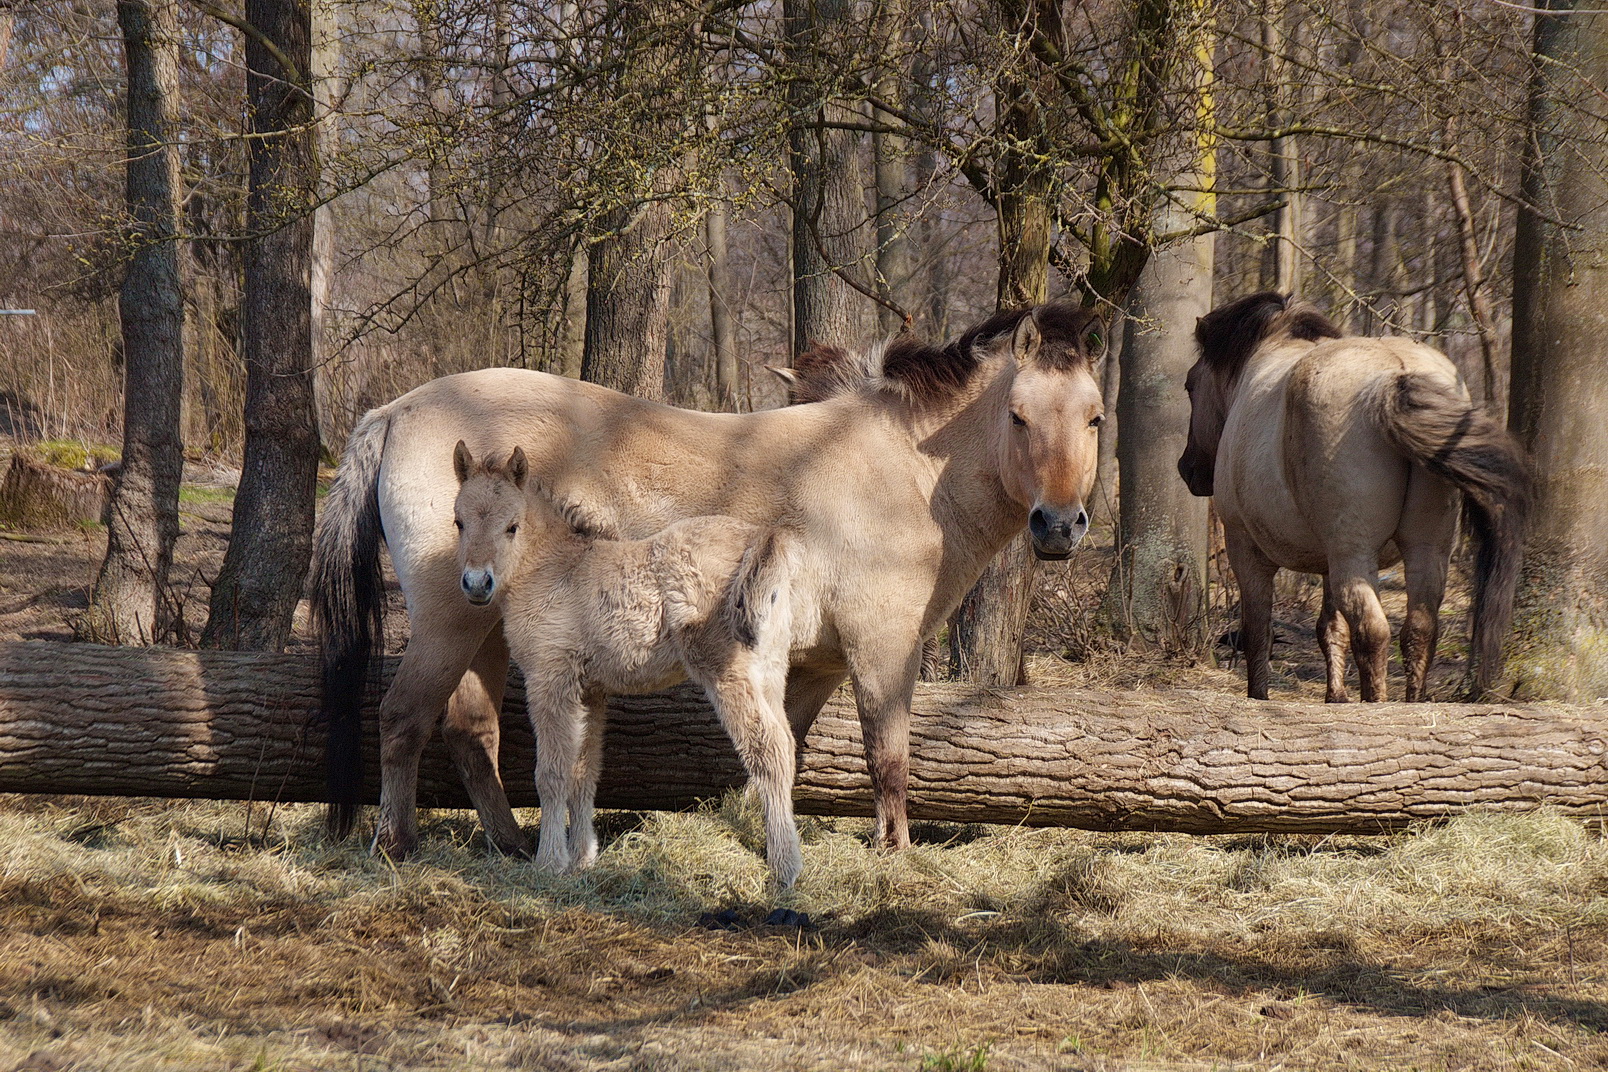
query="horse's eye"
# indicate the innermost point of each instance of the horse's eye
(513, 529)
(1097, 421)
(1016, 419)
(457, 524)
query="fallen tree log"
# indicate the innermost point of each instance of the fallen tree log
(79, 718)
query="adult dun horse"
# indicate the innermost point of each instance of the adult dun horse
(899, 493)
(1340, 456)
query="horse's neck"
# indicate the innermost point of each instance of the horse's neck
(968, 496)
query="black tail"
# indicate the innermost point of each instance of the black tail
(349, 610)
(1454, 439)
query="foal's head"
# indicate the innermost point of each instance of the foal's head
(1049, 429)
(491, 507)
(1228, 336)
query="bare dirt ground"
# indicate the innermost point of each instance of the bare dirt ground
(141, 934)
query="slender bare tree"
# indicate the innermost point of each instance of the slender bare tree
(131, 603)
(255, 595)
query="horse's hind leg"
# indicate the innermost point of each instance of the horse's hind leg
(750, 706)
(1425, 569)
(1356, 595)
(583, 784)
(432, 666)
(472, 731)
(1425, 537)
(1253, 572)
(1333, 638)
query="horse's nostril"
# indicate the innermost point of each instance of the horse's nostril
(1081, 522)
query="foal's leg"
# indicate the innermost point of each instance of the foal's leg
(748, 697)
(472, 732)
(432, 666)
(559, 720)
(1333, 636)
(583, 783)
(1356, 594)
(1254, 573)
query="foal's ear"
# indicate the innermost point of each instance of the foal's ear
(1027, 339)
(462, 462)
(518, 467)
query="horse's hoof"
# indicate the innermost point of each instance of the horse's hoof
(726, 919)
(786, 917)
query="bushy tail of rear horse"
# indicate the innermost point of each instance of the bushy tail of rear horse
(1458, 441)
(348, 610)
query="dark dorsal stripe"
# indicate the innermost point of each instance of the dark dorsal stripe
(1229, 334)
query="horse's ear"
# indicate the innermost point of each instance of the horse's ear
(518, 467)
(1027, 339)
(1095, 343)
(786, 375)
(462, 462)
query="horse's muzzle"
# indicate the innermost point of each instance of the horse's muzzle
(1197, 472)
(478, 586)
(1057, 535)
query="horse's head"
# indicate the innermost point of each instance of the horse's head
(1228, 336)
(491, 507)
(1050, 425)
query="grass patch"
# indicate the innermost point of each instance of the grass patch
(197, 494)
(71, 453)
(219, 934)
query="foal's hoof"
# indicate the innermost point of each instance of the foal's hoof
(726, 919)
(786, 917)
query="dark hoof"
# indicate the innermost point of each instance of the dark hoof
(786, 917)
(725, 920)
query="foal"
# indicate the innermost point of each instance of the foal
(706, 598)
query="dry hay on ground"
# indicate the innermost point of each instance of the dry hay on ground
(139, 935)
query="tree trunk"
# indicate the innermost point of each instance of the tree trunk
(8, 19)
(1157, 596)
(628, 269)
(1476, 289)
(266, 564)
(1559, 378)
(131, 603)
(986, 631)
(828, 184)
(329, 90)
(86, 719)
(721, 333)
(1286, 161)
(891, 153)
(1103, 511)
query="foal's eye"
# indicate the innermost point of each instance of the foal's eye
(457, 524)
(1016, 419)
(1097, 421)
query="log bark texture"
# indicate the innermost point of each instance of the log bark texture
(79, 718)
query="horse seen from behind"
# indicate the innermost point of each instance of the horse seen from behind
(1340, 456)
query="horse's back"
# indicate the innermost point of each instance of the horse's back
(1318, 478)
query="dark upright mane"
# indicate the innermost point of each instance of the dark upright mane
(1229, 334)
(931, 373)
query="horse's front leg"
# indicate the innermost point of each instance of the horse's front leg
(884, 677)
(583, 784)
(432, 667)
(473, 733)
(1254, 573)
(1333, 638)
(558, 718)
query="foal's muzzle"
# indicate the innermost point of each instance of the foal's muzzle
(1056, 533)
(478, 586)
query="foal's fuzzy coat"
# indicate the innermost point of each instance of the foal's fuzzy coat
(707, 598)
